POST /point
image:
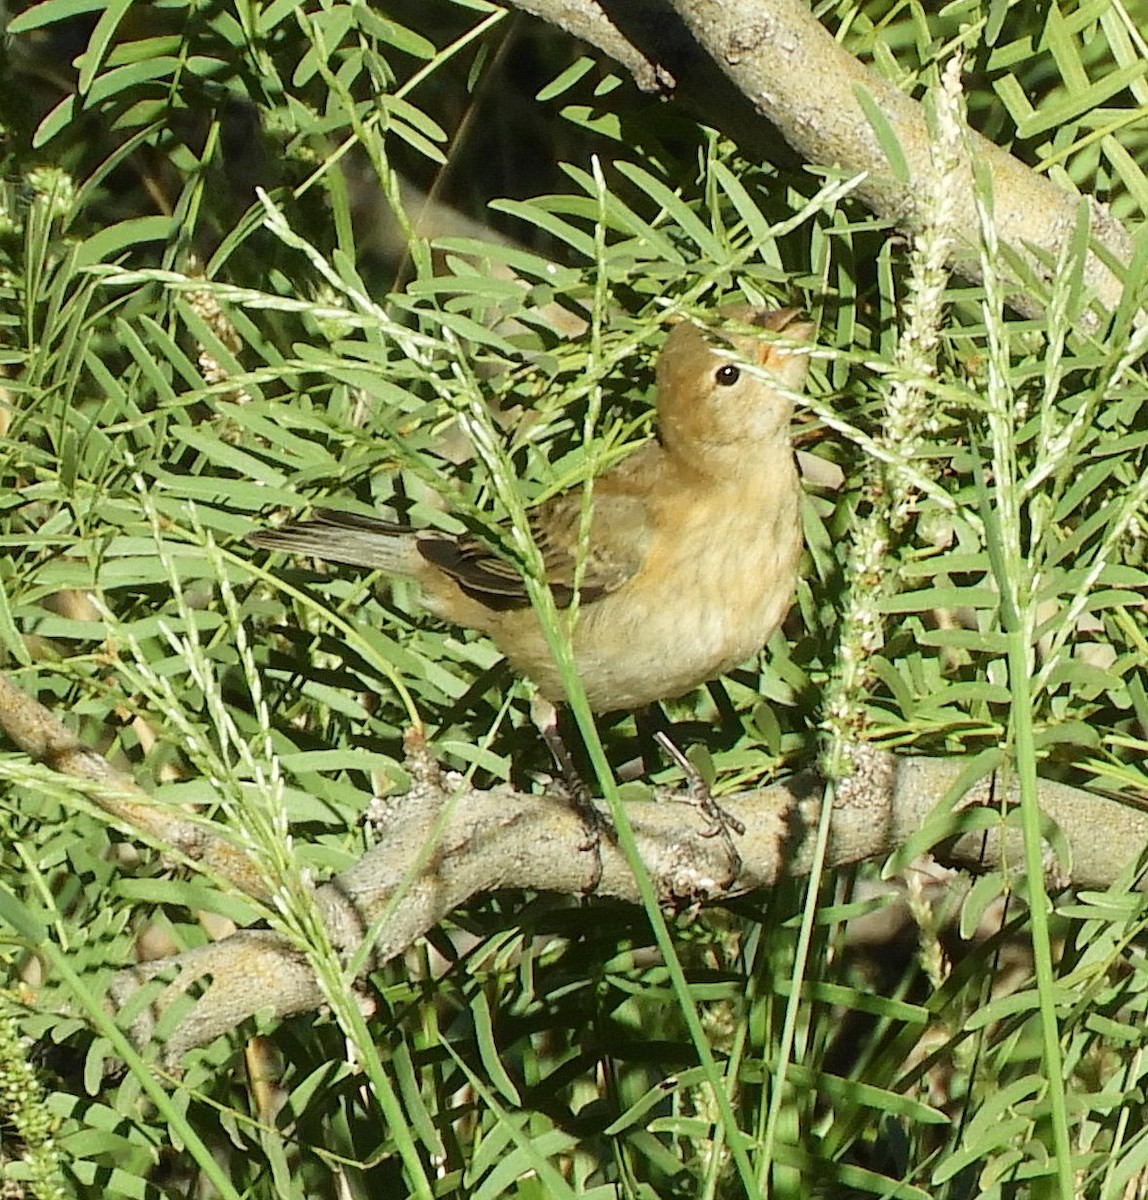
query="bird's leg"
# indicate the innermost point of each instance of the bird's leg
(545, 717)
(719, 822)
(649, 721)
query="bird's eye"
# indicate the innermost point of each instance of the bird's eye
(727, 375)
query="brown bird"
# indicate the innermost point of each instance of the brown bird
(694, 540)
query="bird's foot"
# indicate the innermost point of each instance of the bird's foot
(577, 795)
(719, 822)
(573, 787)
(595, 823)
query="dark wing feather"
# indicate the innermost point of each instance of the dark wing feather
(480, 574)
(616, 547)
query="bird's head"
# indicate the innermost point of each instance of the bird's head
(710, 403)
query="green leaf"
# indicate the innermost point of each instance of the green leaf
(532, 212)
(566, 79)
(49, 12)
(391, 33)
(336, 760)
(1068, 107)
(619, 216)
(985, 891)
(883, 130)
(108, 243)
(19, 918)
(489, 1051)
(678, 210)
(758, 227)
(597, 121)
(92, 58)
(229, 457)
(58, 118)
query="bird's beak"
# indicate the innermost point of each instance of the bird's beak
(780, 319)
(785, 320)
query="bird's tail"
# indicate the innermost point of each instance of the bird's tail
(346, 538)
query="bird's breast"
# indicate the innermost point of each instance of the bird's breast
(717, 581)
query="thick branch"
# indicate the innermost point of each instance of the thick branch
(500, 838)
(471, 842)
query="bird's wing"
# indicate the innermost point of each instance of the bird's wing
(614, 551)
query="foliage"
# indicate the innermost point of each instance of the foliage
(186, 357)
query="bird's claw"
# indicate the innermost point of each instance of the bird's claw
(570, 785)
(719, 822)
(594, 825)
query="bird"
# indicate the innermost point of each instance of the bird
(691, 559)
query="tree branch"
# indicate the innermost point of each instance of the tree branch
(470, 842)
(45, 739)
(787, 68)
(488, 840)
(585, 20)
